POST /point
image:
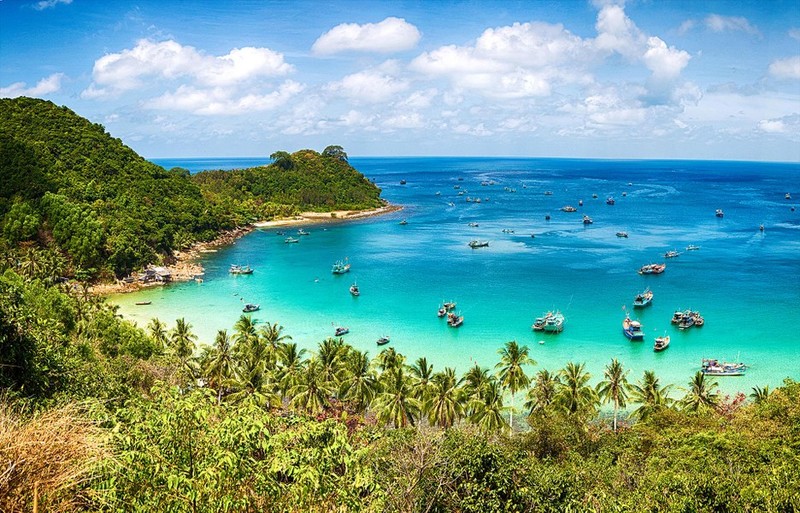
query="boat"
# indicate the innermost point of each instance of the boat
(761, 228)
(454, 320)
(713, 367)
(441, 312)
(548, 193)
(547, 217)
(250, 307)
(341, 330)
(671, 254)
(302, 232)
(402, 182)
(624, 194)
(552, 322)
(438, 193)
(652, 269)
(568, 208)
(623, 235)
(451, 204)
(456, 186)
(473, 225)
(280, 233)
(594, 196)
(383, 340)
(661, 343)
(340, 267)
(354, 289)
(240, 269)
(290, 240)
(692, 247)
(403, 222)
(143, 303)
(643, 299)
(449, 305)
(719, 212)
(580, 203)
(478, 244)
(610, 201)
(788, 196)
(698, 320)
(507, 230)
(632, 329)
(587, 220)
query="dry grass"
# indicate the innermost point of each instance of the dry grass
(52, 453)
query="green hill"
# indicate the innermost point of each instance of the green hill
(65, 181)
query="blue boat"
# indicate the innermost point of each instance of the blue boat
(632, 329)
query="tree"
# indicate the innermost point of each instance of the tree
(445, 404)
(760, 394)
(158, 332)
(282, 159)
(512, 375)
(360, 385)
(182, 339)
(574, 395)
(543, 392)
(487, 409)
(397, 404)
(290, 366)
(336, 152)
(700, 394)
(220, 363)
(422, 372)
(649, 393)
(614, 387)
(312, 391)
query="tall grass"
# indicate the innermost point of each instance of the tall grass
(46, 458)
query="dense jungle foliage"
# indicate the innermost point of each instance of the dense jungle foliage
(65, 182)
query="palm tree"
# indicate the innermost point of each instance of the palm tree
(421, 371)
(650, 394)
(331, 357)
(475, 379)
(615, 387)
(219, 366)
(397, 404)
(445, 404)
(574, 395)
(760, 395)
(389, 359)
(182, 339)
(487, 410)
(272, 336)
(543, 392)
(244, 331)
(361, 384)
(512, 375)
(158, 332)
(290, 366)
(701, 394)
(312, 391)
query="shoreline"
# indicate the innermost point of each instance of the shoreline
(183, 265)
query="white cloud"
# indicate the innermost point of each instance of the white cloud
(44, 87)
(221, 101)
(773, 126)
(404, 120)
(617, 33)
(665, 62)
(369, 86)
(47, 4)
(718, 23)
(686, 26)
(169, 60)
(795, 33)
(388, 36)
(786, 68)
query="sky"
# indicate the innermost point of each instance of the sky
(636, 79)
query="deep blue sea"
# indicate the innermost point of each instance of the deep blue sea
(744, 281)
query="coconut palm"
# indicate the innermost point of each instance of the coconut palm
(272, 335)
(475, 379)
(574, 395)
(700, 394)
(312, 392)
(219, 364)
(244, 331)
(389, 359)
(396, 404)
(759, 394)
(543, 392)
(332, 356)
(487, 409)
(182, 339)
(360, 386)
(614, 388)
(158, 332)
(290, 366)
(650, 395)
(421, 372)
(512, 375)
(446, 402)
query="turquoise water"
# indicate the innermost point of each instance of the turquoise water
(745, 282)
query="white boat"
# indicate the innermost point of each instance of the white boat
(632, 329)
(341, 330)
(383, 340)
(719, 213)
(692, 247)
(291, 240)
(302, 232)
(623, 235)
(250, 307)
(354, 289)
(240, 269)
(340, 267)
(552, 322)
(478, 244)
(671, 254)
(587, 220)
(661, 343)
(568, 208)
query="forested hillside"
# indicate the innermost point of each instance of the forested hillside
(64, 181)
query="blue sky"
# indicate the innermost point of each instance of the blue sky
(595, 78)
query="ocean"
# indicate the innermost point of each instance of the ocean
(744, 281)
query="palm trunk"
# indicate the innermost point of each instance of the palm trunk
(615, 416)
(511, 414)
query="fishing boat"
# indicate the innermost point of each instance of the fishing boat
(587, 220)
(354, 289)
(250, 307)
(623, 235)
(383, 340)
(712, 367)
(290, 240)
(692, 247)
(594, 196)
(610, 201)
(441, 312)
(341, 330)
(632, 329)
(302, 232)
(473, 225)
(403, 222)
(580, 203)
(788, 196)
(661, 343)
(719, 213)
(671, 254)
(547, 217)
(449, 305)
(652, 269)
(402, 182)
(568, 208)
(548, 193)
(240, 269)
(340, 267)
(143, 303)
(624, 194)
(478, 244)
(554, 323)
(507, 230)
(643, 299)
(454, 320)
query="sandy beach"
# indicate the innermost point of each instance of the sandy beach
(183, 266)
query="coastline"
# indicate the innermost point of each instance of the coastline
(183, 266)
